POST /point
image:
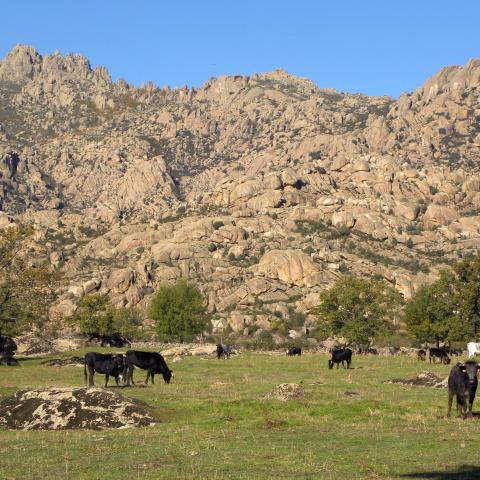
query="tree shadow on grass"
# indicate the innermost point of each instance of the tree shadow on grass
(464, 472)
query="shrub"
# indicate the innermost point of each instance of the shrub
(179, 311)
(140, 250)
(409, 243)
(211, 247)
(433, 190)
(344, 268)
(308, 250)
(95, 314)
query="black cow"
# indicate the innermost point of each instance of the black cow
(107, 364)
(114, 340)
(153, 362)
(340, 356)
(7, 346)
(422, 355)
(292, 351)
(434, 353)
(9, 361)
(223, 351)
(365, 350)
(463, 382)
(394, 350)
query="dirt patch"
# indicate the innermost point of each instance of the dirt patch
(424, 379)
(64, 362)
(286, 391)
(72, 408)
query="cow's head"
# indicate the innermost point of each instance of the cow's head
(167, 375)
(471, 369)
(330, 364)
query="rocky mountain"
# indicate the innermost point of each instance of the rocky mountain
(261, 189)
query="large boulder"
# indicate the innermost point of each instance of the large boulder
(120, 280)
(439, 215)
(71, 408)
(290, 266)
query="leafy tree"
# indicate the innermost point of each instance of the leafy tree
(429, 313)
(449, 308)
(27, 287)
(95, 315)
(179, 311)
(357, 309)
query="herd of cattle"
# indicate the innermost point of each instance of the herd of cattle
(462, 380)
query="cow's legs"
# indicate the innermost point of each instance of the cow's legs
(107, 376)
(450, 400)
(470, 405)
(153, 374)
(90, 377)
(148, 376)
(130, 376)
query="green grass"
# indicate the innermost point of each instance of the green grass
(213, 424)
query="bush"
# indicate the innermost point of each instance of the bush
(308, 250)
(95, 314)
(409, 243)
(179, 311)
(140, 250)
(211, 247)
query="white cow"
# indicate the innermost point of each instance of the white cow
(473, 348)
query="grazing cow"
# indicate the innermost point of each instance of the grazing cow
(473, 348)
(7, 346)
(223, 351)
(107, 364)
(294, 351)
(114, 340)
(153, 362)
(422, 355)
(363, 350)
(434, 353)
(9, 361)
(463, 382)
(340, 356)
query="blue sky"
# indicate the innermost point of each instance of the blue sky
(369, 46)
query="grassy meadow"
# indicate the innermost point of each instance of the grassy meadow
(213, 424)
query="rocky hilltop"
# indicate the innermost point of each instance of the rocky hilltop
(261, 189)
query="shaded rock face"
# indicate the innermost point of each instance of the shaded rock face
(71, 408)
(130, 188)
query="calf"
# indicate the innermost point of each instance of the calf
(107, 364)
(294, 351)
(340, 356)
(223, 351)
(462, 383)
(422, 355)
(153, 362)
(394, 350)
(440, 353)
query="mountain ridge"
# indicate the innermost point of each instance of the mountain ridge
(261, 189)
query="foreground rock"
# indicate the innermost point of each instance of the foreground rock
(424, 379)
(71, 408)
(286, 391)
